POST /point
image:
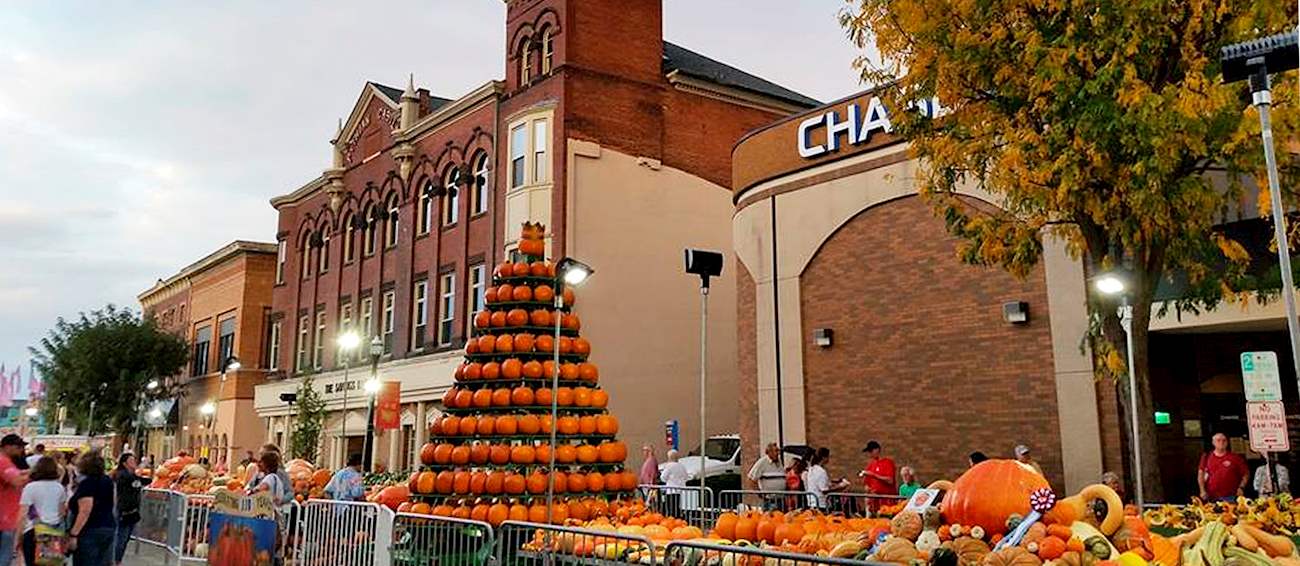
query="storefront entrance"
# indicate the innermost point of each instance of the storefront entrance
(1196, 379)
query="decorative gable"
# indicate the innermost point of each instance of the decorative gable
(369, 128)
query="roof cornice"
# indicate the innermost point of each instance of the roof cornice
(702, 87)
(229, 251)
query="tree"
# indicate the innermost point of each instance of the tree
(106, 358)
(305, 442)
(1103, 124)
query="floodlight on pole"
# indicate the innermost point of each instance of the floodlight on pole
(153, 384)
(349, 341)
(207, 408)
(1112, 284)
(31, 411)
(571, 272)
(232, 364)
(155, 414)
(372, 386)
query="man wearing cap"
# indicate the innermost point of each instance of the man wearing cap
(878, 476)
(1022, 456)
(11, 488)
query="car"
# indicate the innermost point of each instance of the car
(721, 464)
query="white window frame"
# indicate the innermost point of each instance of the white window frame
(419, 313)
(447, 308)
(393, 223)
(306, 256)
(281, 254)
(548, 50)
(274, 348)
(530, 150)
(389, 320)
(367, 318)
(323, 259)
(318, 340)
(518, 155)
(540, 147)
(369, 233)
(349, 231)
(304, 333)
(477, 290)
(424, 222)
(481, 196)
(451, 199)
(526, 63)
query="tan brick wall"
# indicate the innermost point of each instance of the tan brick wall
(747, 360)
(922, 360)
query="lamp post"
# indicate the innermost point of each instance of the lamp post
(148, 388)
(706, 264)
(1113, 284)
(573, 273)
(372, 387)
(231, 364)
(208, 410)
(348, 342)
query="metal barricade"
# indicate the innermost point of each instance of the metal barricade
(193, 517)
(693, 553)
(343, 533)
(154, 518)
(744, 500)
(852, 504)
(693, 504)
(422, 540)
(520, 543)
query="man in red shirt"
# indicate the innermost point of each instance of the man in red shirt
(1222, 474)
(11, 488)
(878, 476)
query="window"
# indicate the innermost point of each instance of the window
(477, 287)
(369, 231)
(419, 314)
(539, 151)
(306, 255)
(389, 304)
(548, 50)
(393, 222)
(280, 252)
(425, 221)
(480, 204)
(226, 341)
(451, 200)
(518, 149)
(318, 354)
(274, 349)
(345, 317)
(304, 327)
(324, 263)
(447, 308)
(349, 230)
(367, 317)
(202, 344)
(525, 63)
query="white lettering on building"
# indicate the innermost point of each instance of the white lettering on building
(855, 127)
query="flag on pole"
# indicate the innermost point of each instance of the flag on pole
(35, 389)
(17, 382)
(6, 391)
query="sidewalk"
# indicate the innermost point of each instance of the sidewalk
(149, 555)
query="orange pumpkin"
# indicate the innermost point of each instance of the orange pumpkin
(486, 425)
(498, 318)
(425, 482)
(1051, 548)
(518, 512)
(746, 529)
(577, 482)
(494, 483)
(443, 483)
(498, 513)
(488, 344)
(726, 525)
(569, 370)
(517, 317)
(428, 454)
(606, 424)
(569, 298)
(464, 398)
(533, 370)
(482, 398)
(460, 483)
(566, 345)
(443, 510)
(393, 496)
(519, 269)
(460, 455)
(542, 396)
(468, 426)
(540, 317)
(482, 319)
(612, 452)
(568, 424)
(505, 292)
(564, 397)
(514, 484)
(523, 342)
(595, 482)
(499, 454)
(537, 513)
(579, 510)
(588, 454)
(492, 370)
(570, 322)
(473, 371)
(989, 492)
(544, 294)
(529, 424)
(561, 480)
(478, 453)
(504, 343)
(477, 483)
(614, 481)
(503, 269)
(544, 343)
(587, 425)
(542, 453)
(581, 346)
(490, 295)
(581, 397)
(535, 483)
(461, 512)
(501, 397)
(450, 425)
(522, 455)
(521, 396)
(587, 371)
(533, 248)
(539, 269)
(766, 531)
(565, 454)
(507, 425)
(630, 480)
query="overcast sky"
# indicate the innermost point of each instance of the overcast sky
(137, 137)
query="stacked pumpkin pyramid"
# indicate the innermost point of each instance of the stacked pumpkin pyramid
(489, 456)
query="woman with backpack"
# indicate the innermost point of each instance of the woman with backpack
(128, 502)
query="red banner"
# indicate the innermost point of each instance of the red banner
(388, 406)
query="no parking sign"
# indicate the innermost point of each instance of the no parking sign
(1267, 423)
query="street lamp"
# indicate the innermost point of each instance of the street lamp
(31, 411)
(1114, 284)
(706, 264)
(568, 271)
(372, 387)
(347, 342)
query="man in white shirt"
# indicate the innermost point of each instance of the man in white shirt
(674, 474)
(37, 453)
(768, 474)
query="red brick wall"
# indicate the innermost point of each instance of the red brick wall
(699, 133)
(922, 360)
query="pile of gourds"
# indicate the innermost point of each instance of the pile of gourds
(1278, 514)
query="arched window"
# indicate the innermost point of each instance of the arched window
(481, 196)
(306, 254)
(451, 199)
(368, 233)
(349, 230)
(390, 233)
(324, 263)
(425, 222)
(526, 62)
(548, 50)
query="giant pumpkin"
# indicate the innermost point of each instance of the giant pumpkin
(989, 493)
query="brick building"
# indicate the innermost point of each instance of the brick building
(221, 306)
(619, 142)
(857, 321)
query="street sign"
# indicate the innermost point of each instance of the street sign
(1259, 376)
(1267, 423)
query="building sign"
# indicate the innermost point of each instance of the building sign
(1266, 421)
(1259, 376)
(826, 133)
(388, 406)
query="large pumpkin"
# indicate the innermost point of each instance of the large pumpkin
(989, 493)
(393, 496)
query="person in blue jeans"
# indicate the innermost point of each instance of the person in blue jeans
(94, 528)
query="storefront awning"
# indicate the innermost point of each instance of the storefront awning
(165, 411)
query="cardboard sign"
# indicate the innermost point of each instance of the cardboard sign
(1259, 376)
(922, 499)
(1267, 423)
(242, 529)
(388, 406)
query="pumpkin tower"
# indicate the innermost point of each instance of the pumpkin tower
(489, 456)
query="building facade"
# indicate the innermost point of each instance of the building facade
(221, 306)
(615, 140)
(857, 321)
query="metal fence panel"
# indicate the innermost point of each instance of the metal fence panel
(193, 520)
(693, 504)
(784, 501)
(422, 540)
(520, 543)
(344, 533)
(693, 553)
(154, 517)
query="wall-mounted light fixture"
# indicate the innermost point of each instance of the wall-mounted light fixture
(823, 337)
(1015, 312)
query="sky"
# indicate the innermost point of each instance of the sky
(137, 137)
